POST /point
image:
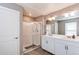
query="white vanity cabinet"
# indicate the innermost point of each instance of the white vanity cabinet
(66, 47)
(60, 46)
(48, 43)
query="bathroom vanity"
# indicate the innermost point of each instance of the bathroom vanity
(60, 44)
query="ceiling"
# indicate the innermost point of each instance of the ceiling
(37, 9)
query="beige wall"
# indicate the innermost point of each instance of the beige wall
(27, 31)
(60, 12)
(27, 19)
(65, 10)
(27, 34)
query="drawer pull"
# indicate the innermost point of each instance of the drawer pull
(47, 42)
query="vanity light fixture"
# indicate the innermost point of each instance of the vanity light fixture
(50, 19)
(53, 17)
(72, 13)
(66, 14)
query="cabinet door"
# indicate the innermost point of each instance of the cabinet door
(73, 48)
(44, 43)
(60, 46)
(47, 43)
(50, 44)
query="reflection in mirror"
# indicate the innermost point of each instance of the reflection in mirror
(48, 28)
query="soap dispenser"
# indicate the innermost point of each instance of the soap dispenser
(73, 36)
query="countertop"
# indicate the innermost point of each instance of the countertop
(63, 37)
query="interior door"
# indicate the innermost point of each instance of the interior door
(9, 31)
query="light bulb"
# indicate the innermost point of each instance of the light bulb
(66, 14)
(53, 18)
(72, 13)
(50, 19)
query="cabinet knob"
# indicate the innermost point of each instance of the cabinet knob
(47, 42)
(66, 47)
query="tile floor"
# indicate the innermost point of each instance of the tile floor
(38, 51)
